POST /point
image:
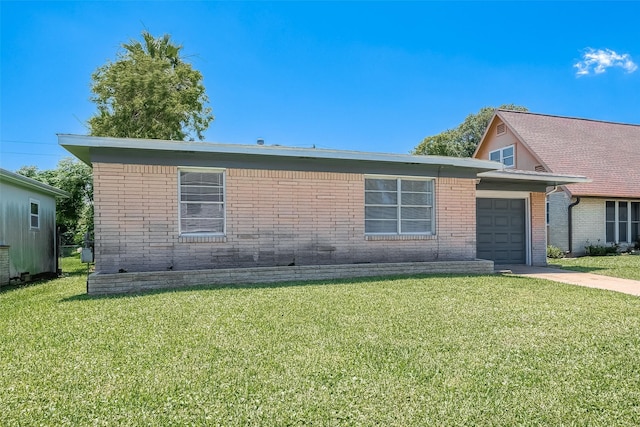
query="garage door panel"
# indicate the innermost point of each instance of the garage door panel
(501, 230)
(501, 204)
(485, 238)
(501, 221)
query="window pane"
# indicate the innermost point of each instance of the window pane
(380, 226)
(380, 198)
(416, 226)
(507, 152)
(34, 208)
(416, 198)
(635, 211)
(201, 178)
(623, 212)
(611, 227)
(34, 221)
(201, 194)
(201, 210)
(495, 156)
(635, 232)
(415, 213)
(622, 232)
(380, 212)
(381, 184)
(611, 212)
(508, 161)
(416, 186)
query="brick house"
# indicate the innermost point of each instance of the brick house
(171, 207)
(606, 209)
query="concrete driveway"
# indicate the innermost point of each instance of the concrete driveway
(589, 280)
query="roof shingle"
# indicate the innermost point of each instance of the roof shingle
(607, 153)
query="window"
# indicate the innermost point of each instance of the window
(622, 221)
(398, 206)
(34, 214)
(505, 155)
(201, 202)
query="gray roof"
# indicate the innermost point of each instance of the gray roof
(81, 147)
(31, 184)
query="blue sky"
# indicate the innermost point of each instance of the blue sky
(364, 76)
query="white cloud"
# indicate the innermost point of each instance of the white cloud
(598, 60)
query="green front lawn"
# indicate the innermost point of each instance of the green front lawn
(624, 266)
(486, 350)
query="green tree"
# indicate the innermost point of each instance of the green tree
(463, 140)
(149, 92)
(74, 215)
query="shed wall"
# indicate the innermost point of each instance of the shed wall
(31, 250)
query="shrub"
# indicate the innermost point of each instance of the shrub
(554, 252)
(601, 250)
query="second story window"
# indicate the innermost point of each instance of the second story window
(505, 155)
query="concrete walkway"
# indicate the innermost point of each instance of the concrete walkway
(589, 280)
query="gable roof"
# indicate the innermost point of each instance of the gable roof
(608, 153)
(31, 184)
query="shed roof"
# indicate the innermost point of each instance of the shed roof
(31, 184)
(608, 153)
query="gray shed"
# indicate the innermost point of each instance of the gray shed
(27, 226)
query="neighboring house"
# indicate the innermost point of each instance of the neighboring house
(27, 227)
(168, 206)
(605, 210)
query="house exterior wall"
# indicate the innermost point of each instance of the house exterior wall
(274, 217)
(30, 250)
(538, 229)
(558, 229)
(588, 224)
(524, 159)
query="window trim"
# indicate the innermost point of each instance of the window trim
(31, 215)
(616, 221)
(502, 157)
(399, 179)
(224, 202)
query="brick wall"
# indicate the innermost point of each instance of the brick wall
(4, 265)
(558, 220)
(588, 224)
(273, 218)
(538, 229)
(100, 283)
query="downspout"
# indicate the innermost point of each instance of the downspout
(570, 227)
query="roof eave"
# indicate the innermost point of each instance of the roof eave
(81, 147)
(32, 184)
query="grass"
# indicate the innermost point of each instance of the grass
(456, 350)
(624, 266)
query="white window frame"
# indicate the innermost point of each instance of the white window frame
(32, 215)
(398, 205)
(501, 151)
(224, 201)
(616, 221)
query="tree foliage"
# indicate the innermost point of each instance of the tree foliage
(74, 215)
(149, 92)
(463, 140)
